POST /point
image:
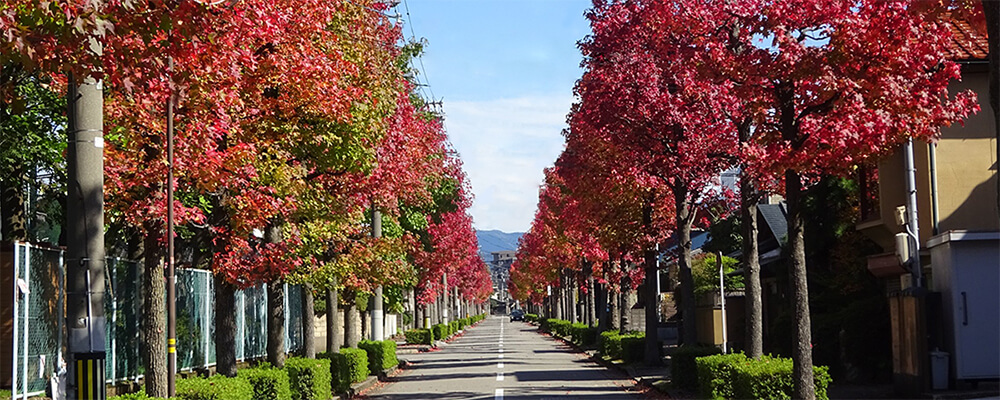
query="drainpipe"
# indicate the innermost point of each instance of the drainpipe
(912, 227)
(935, 213)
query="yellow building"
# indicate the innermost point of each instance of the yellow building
(959, 236)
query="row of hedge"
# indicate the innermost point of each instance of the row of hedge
(630, 347)
(301, 379)
(579, 333)
(440, 331)
(734, 376)
(531, 318)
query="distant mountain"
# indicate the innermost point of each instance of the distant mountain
(490, 241)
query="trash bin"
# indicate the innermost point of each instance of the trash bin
(939, 370)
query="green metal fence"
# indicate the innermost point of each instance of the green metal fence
(39, 314)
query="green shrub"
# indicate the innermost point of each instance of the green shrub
(340, 371)
(683, 369)
(217, 387)
(440, 331)
(381, 354)
(716, 374)
(634, 347)
(771, 378)
(453, 327)
(531, 317)
(609, 343)
(419, 336)
(583, 335)
(140, 395)
(268, 383)
(357, 363)
(560, 327)
(310, 379)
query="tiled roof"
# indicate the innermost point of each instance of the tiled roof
(967, 43)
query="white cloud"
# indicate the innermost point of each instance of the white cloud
(505, 144)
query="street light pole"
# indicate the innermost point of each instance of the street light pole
(171, 277)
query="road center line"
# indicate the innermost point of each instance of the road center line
(500, 376)
(498, 395)
(501, 355)
(500, 365)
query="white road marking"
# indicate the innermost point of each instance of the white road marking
(501, 350)
(500, 376)
(501, 355)
(500, 344)
(500, 365)
(498, 395)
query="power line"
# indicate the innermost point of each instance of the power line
(420, 59)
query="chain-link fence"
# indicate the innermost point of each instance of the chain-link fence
(37, 334)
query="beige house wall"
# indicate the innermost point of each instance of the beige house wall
(966, 168)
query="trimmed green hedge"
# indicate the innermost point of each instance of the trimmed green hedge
(140, 395)
(309, 378)
(381, 354)
(268, 383)
(217, 387)
(357, 363)
(531, 317)
(609, 344)
(419, 336)
(633, 347)
(340, 371)
(583, 335)
(683, 370)
(716, 374)
(441, 331)
(771, 378)
(453, 327)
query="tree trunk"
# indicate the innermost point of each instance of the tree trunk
(625, 306)
(650, 306)
(276, 307)
(351, 329)
(225, 327)
(614, 319)
(573, 298)
(601, 304)
(802, 373)
(684, 220)
(334, 339)
(308, 323)
(557, 312)
(154, 320)
(751, 269)
(13, 221)
(276, 324)
(591, 300)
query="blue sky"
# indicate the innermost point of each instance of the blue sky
(505, 70)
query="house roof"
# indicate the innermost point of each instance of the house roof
(774, 218)
(967, 43)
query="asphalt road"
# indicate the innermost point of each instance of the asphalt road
(499, 359)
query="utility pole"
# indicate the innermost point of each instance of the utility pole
(171, 276)
(85, 262)
(378, 316)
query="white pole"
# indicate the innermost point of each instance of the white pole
(114, 319)
(208, 311)
(27, 332)
(13, 378)
(722, 299)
